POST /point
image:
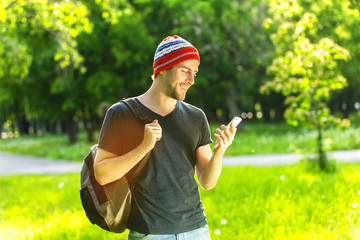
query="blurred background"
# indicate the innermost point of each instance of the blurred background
(62, 63)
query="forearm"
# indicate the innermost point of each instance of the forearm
(210, 175)
(208, 165)
(108, 167)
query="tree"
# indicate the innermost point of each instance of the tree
(338, 20)
(117, 58)
(306, 74)
(42, 61)
(234, 52)
(28, 25)
(233, 48)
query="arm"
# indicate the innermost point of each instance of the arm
(208, 164)
(109, 167)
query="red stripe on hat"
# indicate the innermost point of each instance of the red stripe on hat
(174, 55)
(176, 62)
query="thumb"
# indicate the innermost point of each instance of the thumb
(155, 121)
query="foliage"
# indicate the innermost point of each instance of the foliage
(234, 51)
(355, 118)
(337, 20)
(61, 60)
(63, 19)
(306, 72)
(256, 203)
(42, 31)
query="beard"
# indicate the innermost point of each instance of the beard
(173, 92)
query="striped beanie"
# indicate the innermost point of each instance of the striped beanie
(172, 51)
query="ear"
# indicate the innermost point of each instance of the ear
(160, 75)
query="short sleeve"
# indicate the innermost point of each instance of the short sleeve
(120, 131)
(205, 135)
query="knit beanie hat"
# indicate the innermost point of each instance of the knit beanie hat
(172, 51)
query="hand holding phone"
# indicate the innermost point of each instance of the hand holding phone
(235, 120)
(225, 137)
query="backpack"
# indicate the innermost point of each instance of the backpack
(108, 206)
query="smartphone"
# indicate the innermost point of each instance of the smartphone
(236, 120)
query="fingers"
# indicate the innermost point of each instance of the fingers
(226, 135)
(221, 134)
(232, 128)
(154, 129)
(227, 131)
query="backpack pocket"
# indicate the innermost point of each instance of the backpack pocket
(90, 209)
(117, 208)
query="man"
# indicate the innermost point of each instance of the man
(166, 202)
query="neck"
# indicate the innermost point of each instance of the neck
(157, 101)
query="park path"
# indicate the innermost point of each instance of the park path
(13, 164)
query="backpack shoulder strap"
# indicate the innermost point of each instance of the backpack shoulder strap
(134, 106)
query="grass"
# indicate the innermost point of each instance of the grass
(47, 146)
(252, 138)
(285, 202)
(259, 138)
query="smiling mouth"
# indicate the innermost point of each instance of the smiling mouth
(183, 88)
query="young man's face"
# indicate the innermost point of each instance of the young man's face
(178, 79)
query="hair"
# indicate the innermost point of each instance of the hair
(153, 77)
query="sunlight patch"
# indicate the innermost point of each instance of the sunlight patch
(31, 229)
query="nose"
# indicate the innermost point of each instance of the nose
(191, 79)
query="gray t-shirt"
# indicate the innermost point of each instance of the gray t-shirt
(166, 197)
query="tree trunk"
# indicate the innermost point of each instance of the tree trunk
(71, 130)
(90, 129)
(231, 101)
(90, 122)
(321, 154)
(13, 127)
(23, 125)
(1, 128)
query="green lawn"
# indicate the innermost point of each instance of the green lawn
(252, 138)
(285, 202)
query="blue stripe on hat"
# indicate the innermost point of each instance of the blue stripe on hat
(169, 53)
(171, 43)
